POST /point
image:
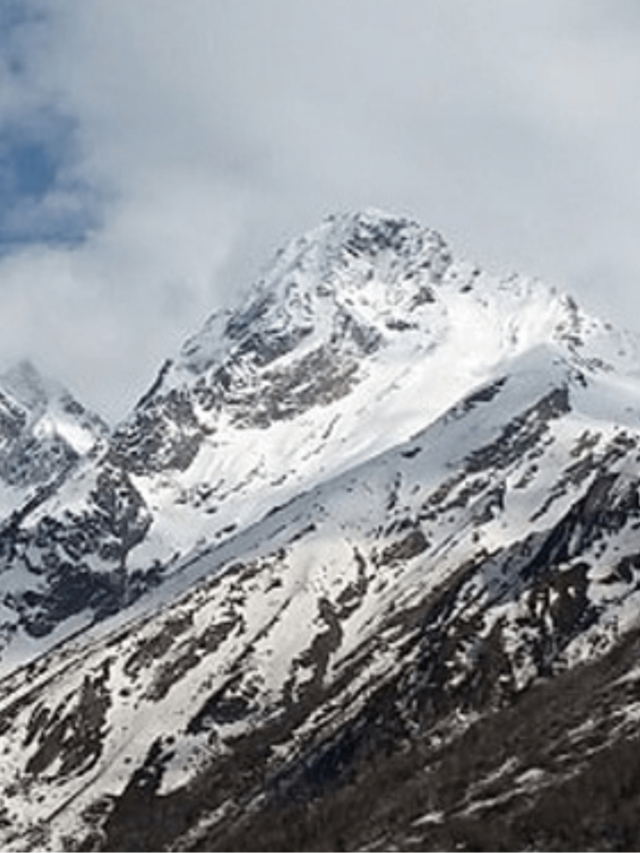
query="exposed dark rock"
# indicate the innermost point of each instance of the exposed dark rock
(73, 732)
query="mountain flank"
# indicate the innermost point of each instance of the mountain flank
(361, 570)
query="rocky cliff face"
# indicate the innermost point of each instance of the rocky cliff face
(383, 505)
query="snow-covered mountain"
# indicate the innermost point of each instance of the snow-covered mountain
(359, 517)
(361, 333)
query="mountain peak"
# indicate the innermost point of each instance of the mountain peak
(354, 243)
(44, 431)
(367, 281)
(372, 266)
(372, 232)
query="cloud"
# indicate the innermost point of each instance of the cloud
(157, 154)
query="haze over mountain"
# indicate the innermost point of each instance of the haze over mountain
(330, 583)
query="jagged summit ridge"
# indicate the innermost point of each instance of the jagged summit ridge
(354, 304)
(49, 409)
(349, 251)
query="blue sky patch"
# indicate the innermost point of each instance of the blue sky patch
(28, 167)
(42, 200)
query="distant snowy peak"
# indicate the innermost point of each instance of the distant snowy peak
(47, 408)
(43, 432)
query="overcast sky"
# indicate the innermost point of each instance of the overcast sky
(155, 153)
